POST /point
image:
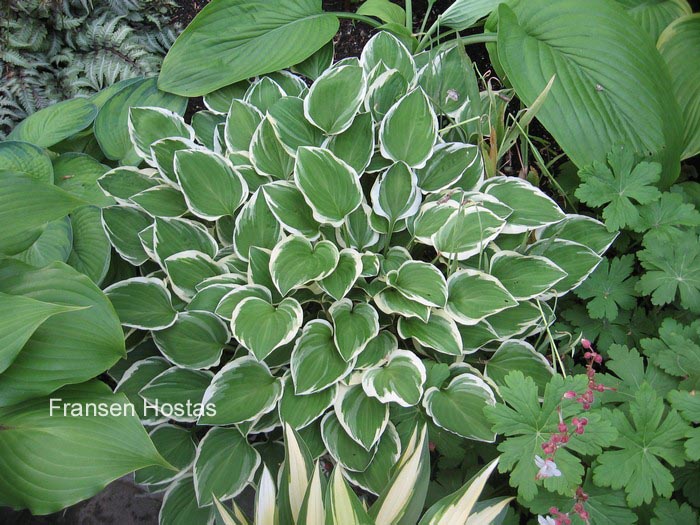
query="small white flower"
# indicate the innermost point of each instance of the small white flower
(548, 468)
(546, 520)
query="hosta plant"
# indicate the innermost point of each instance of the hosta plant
(334, 259)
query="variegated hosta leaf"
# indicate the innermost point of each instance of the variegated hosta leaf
(264, 93)
(188, 269)
(171, 236)
(459, 407)
(363, 418)
(395, 194)
(256, 226)
(522, 319)
(378, 474)
(287, 204)
(420, 282)
(231, 299)
(149, 124)
(474, 295)
(391, 301)
(339, 282)
(312, 509)
(343, 505)
(295, 477)
(386, 87)
(450, 163)
(124, 182)
(466, 232)
(261, 327)
(525, 277)
(316, 363)
(440, 333)
(386, 49)
(519, 355)
(177, 386)
(377, 350)
(180, 504)
(267, 154)
(163, 153)
(342, 447)
(266, 499)
(241, 122)
(296, 261)
(291, 127)
(241, 391)
(357, 231)
(400, 380)
(161, 201)
(224, 465)
(143, 303)
(355, 145)
(583, 230)
(299, 411)
(122, 225)
(354, 325)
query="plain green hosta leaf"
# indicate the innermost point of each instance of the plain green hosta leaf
(55, 123)
(617, 184)
(342, 447)
(646, 438)
(177, 385)
(69, 458)
(224, 465)
(180, 505)
(518, 355)
(600, 86)
(440, 332)
(241, 122)
(211, 185)
(75, 346)
(462, 14)
(421, 282)
(385, 10)
(300, 411)
(26, 158)
(355, 145)
(672, 269)
(176, 445)
(391, 301)
(314, 66)
(294, 31)
(289, 207)
(330, 186)
(186, 270)
(255, 226)
(467, 232)
(525, 276)
(27, 204)
(173, 235)
(316, 363)
(531, 207)
(526, 423)
(290, 125)
(339, 282)
(335, 98)
(575, 259)
(354, 325)
(261, 327)
(161, 201)
(459, 407)
(196, 340)
(449, 163)
(395, 194)
(295, 261)
(474, 295)
(610, 286)
(675, 45)
(654, 17)
(150, 124)
(363, 418)
(384, 48)
(20, 318)
(78, 173)
(357, 230)
(122, 225)
(408, 132)
(241, 391)
(267, 154)
(676, 350)
(400, 380)
(54, 244)
(663, 220)
(91, 250)
(112, 122)
(581, 229)
(143, 303)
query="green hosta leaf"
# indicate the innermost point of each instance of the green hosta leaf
(143, 303)
(400, 380)
(330, 186)
(220, 99)
(409, 130)
(386, 87)
(210, 183)
(289, 207)
(149, 124)
(54, 244)
(518, 355)
(225, 464)
(267, 154)
(264, 93)
(161, 201)
(343, 505)
(363, 418)
(112, 122)
(293, 85)
(78, 173)
(462, 14)
(474, 337)
(241, 122)
(255, 226)
(377, 350)
(21, 316)
(241, 391)
(205, 125)
(459, 407)
(122, 225)
(675, 45)
(175, 386)
(228, 302)
(291, 127)
(525, 276)
(317, 63)
(576, 260)
(391, 301)
(439, 333)
(395, 194)
(195, 340)
(583, 230)
(535, 41)
(188, 269)
(354, 326)
(609, 287)
(163, 152)
(467, 232)
(335, 98)
(654, 17)
(26, 158)
(78, 454)
(261, 327)
(355, 145)
(474, 295)
(531, 207)
(55, 123)
(316, 363)
(385, 48)
(349, 268)
(357, 230)
(72, 347)
(421, 282)
(378, 474)
(645, 440)
(137, 376)
(449, 163)
(259, 271)
(172, 236)
(295, 31)
(177, 447)
(527, 316)
(300, 411)
(385, 10)
(180, 505)
(346, 451)
(295, 262)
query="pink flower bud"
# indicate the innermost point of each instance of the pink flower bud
(586, 344)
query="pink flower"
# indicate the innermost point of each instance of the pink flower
(548, 468)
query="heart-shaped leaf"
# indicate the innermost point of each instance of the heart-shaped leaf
(391, 301)
(400, 380)
(421, 282)
(196, 340)
(349, 268)
(289, 207)
(354, 326)
(363, 418)
(143, 303)
(300, 411)
(295, 262)
(473, 295)
(439, 333)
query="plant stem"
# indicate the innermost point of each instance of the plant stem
(478, 38)
(409, 16)
(360, 18)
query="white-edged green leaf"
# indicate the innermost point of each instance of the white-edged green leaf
(395, 194)
(342, 504)
(295, 261)
(241, 391)
(255, 226)
(474, 295)
(363, 418)
(577, 260)
(174, 235)
(175, 386)
(188, 269)
(163, 153)
(354, 325)
(400, 380)
(330, 186)
(519, 355)
(378, 474)
(377, 350)
(581, 229)
(391, 301)
(291, 127)
(385, 48)
(148, 124)
(525, 276)
(122, 225)
(300, 411)
(357, 231)
(263, 93)
(517, 320)
(137, 376)
(161, 201)
(177, 446)
(386, 87)
(143, 303)
(420, 282)
(449, 163)
(440, 332)
(230, 300)
(355, 145)
(467, 232)
(180, 505)
(267, 154)
(241, 122)
(340, 281)
(196, 340)
(342, 448)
